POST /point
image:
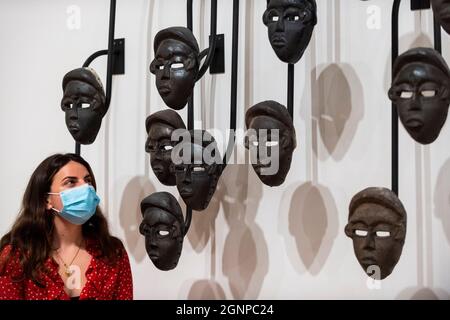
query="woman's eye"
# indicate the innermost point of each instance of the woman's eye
(69, 183)
(85, 105)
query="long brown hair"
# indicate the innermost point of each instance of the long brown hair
(32, 233)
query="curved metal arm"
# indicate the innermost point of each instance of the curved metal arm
(212, 45)
(110, 52)
(94, 56)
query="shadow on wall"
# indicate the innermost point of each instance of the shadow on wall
(442, 198)
(337, 107)
(206, 290)
(309, 226)
(418, 293)
(245, 259)
(130, 214)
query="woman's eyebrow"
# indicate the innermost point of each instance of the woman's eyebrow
(69, 177)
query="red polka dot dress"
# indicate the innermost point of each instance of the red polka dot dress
(103, 281)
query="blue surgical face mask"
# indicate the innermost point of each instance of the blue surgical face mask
(79, 204)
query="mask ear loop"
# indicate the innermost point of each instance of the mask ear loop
(52, 209)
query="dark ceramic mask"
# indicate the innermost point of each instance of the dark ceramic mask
(84, 103)
(271, 141)
(421, 93)
(163, 228)
(198, 175)
(160, 127)
(290, 25)
(377, 226)
(441, 9)
(175, 65)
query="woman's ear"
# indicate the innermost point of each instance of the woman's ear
(48, 205)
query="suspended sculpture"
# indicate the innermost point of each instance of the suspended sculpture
(271, 140)
(377, 226)
(421, 92)
(84, 103)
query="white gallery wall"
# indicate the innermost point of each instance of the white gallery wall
(253, 242)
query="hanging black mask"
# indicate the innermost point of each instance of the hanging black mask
(84, 103)
(176, 65)
(159, 144)
(271, 141)
(377, 225)
(198, 169)
(163, 228)
(290, 25)
(441, 9)
(421, 92)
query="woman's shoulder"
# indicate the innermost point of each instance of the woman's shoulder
(9, 259)
(7, 252)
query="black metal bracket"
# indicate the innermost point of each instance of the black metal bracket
(119, 57)
(420, 5)
(218, 61)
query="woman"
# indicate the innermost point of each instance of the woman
(60, 247)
